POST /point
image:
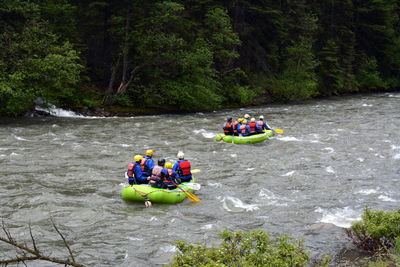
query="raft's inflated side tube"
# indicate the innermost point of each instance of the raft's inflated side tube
(244, 139)
(155, 195)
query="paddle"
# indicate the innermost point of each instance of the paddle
(190, 196)
(279, 131)
(195, 171)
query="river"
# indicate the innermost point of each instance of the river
(336, 156)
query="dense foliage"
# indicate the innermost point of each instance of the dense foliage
(378, 232)
(254, 248)
(194, 55)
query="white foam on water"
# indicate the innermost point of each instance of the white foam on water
(59, 112)
(394, 147)
(342, 217)
(216, 185)
(153, 218)
(208, 135)
(207, 227)
(379, 155)
(367, 191)
(19, 138)
(386, 198)
(397, 156)
(234, 204)
(272, 198)
(329, 169)
(125, 145)
(288, 139)
(367, 105)
(169, 248)
(360, 159)
(288, 173)
(234, 155)
(249, 169)
(13, 154)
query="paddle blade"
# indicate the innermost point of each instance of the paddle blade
(192, 197)
(194, 186)
(279, 131)
(195, 171)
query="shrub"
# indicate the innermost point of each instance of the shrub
(377, 232)
(254, 248)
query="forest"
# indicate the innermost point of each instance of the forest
(193, 55)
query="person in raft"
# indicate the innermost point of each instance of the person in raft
(172, 179)
(263, 124)
(235, 126)
(228, 127)
(182, 168)
(247, 117)
(158, 174)
(147, 163)
(254, 127)
(134, 172)
(244, 128)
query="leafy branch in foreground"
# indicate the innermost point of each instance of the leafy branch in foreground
(377, 232)
(25, 253)
(254, 248)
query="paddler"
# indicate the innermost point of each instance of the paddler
(147, 163)
(134, 172)
(182, 168)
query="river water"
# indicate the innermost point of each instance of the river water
(335, 157)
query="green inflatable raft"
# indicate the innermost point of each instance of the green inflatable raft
(244, 139)
(157, 195)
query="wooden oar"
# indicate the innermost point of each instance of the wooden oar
(190, 196)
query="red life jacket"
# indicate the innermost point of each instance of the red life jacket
(252, 126)
(131, 167)
(243, 129)
(235, 124)
(143, 164)
(156, 173)
(185, 167)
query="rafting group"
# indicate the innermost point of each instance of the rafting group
(164, 175)
(245, 126)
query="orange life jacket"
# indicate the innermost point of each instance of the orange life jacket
(243, 129)
(143, 164)
(131, 167)
(228, 127)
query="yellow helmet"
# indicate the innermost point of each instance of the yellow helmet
(137, 158)
(149, 152)
(168, 165)
(240, 119)
(244, 122)
(247, 116)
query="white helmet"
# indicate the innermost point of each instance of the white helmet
(247, 116)
(180, 155)
(261, 117)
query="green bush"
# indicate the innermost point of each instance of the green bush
(254, 248)
(377, 232)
